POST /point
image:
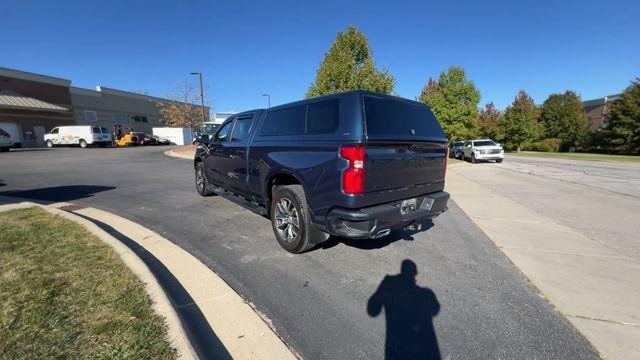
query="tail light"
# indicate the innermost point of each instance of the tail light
(446, 157)
(353, 177)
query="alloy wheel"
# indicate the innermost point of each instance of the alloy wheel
(287, 220)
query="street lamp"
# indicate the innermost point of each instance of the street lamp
(268, 99)
(199, 74)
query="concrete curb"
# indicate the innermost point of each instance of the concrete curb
(159, 302)
(179, 155)
(243, 332)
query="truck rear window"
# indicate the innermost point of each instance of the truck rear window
(323, 117)
(393, 117)
(288, 121)
(315, 118)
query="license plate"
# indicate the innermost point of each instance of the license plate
(408, 206)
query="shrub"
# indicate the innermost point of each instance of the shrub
(545, 145)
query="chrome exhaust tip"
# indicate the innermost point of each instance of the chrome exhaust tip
(382, 233)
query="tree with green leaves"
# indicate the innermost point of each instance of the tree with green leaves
(489, 122)
(624, 118)
(348, 65)
(520, 123)
(454, 101)
(563, 118)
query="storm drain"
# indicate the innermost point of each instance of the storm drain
(72, 207)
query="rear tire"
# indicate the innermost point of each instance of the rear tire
(202, 185)
(83, 143)
(289, 208)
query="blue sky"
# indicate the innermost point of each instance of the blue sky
(246, 48)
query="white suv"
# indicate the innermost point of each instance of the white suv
(482, 150)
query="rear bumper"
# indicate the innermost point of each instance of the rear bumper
(367, 222)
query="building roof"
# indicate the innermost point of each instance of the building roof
(12, 100)
(599, 101)
(25, 75)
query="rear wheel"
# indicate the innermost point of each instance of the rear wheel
(83, 143)
(202, 186)
(291, 221)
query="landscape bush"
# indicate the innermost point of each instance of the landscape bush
(545, 145)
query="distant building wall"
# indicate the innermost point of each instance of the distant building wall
(596, 111)
(108, 107)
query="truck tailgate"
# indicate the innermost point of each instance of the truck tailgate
(401, 165)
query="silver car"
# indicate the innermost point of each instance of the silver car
(456, 149)
(5, 141)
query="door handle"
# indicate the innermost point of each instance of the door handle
(240, 152)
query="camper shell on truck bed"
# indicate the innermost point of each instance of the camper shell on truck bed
(355, 164)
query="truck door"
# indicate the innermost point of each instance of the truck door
(237, 151)
(216, 162)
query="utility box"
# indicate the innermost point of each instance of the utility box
(178, 136)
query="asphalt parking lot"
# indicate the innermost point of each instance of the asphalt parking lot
(323, 303)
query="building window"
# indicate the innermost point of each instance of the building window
(90, 116)
(121, 117)
(139, 118)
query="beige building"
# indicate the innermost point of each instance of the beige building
(109, 107)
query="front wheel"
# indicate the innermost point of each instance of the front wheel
(473, 159)
(291, 221)
(49, 143)
(499, 161)
(202, 186)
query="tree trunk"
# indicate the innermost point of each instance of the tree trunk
(518, 149)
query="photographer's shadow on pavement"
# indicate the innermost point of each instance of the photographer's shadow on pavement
(409, 310)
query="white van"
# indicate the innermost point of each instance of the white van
(78, 135)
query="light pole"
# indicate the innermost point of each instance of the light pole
(204, 118)
(268, 99)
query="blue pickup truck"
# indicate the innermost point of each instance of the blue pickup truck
(355, 164)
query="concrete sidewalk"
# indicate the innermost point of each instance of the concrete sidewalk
(596, 287)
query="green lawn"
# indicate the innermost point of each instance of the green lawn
(580, 156)
(65, 294)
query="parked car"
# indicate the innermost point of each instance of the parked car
(144, 139)
(355, 165)
(78, 135)
(482, 150)
(160, 140)
(5, 141)
(456, 149)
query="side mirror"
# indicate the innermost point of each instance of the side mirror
(203, 139)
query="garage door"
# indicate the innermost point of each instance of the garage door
(12, 129)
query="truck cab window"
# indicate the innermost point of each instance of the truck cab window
(242, 128)
(223, 134)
